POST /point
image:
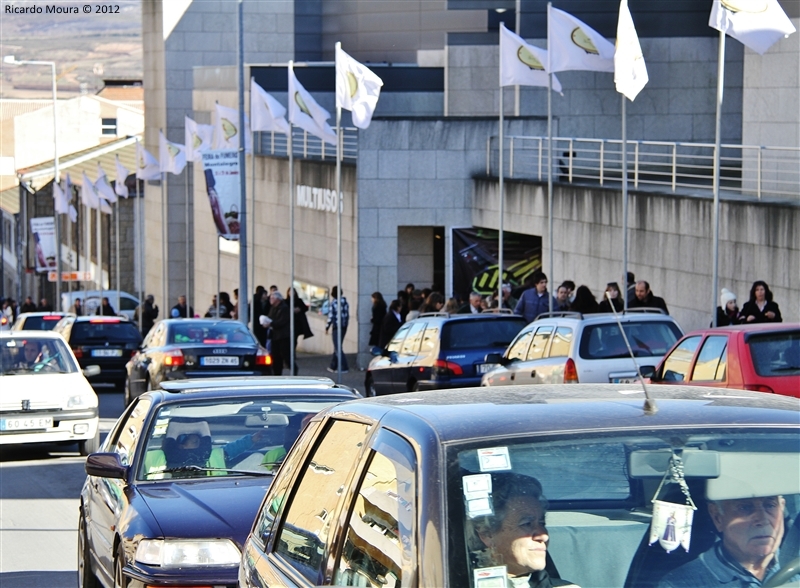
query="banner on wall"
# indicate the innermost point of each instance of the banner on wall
(475, 256)
(44, 238)
(221, 168)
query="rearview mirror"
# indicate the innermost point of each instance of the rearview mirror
(105, 465)
(91, 370)
(266, 419)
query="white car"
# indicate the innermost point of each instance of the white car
(45, 395)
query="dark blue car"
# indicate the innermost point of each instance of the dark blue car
(438, 350)
(171, 496)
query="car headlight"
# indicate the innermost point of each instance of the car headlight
(78, 400)
(173, 553)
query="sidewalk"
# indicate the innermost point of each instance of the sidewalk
(312, 364)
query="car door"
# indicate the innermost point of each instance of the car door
(552, 370)
(401, 372)
(381, 370)
(710, 367)
(516, 353)
(528, 371)
(138, 365)
(677, 364)
(153, 358)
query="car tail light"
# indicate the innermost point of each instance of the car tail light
(51, 317)
(263, 357)
(78, 351)
(759, 388)
(3, 321)
(173, 358)
(570, 372)
(104, 320)
(448, 368)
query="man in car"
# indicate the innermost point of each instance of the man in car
(30, 354)
(751, 532)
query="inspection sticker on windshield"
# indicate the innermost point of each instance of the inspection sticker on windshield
(494, 459)
(490, 577)
(477, 488)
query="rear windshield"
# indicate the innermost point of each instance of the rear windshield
(88, 332)
(776, 354)
(477, 334)
(647, 339)
(41, 323)
(210, 333)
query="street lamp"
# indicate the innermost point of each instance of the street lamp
(11, 60)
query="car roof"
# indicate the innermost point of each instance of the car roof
(605, 317)
(96, 318)
(53, 313)
(231, 382)
(445, 317)
(749, 328)
(255, 391)
(31, 334)
(474, 413)
(198, 321)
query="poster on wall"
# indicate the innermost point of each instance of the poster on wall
(475, 259)
(44, 237)
(221, 168)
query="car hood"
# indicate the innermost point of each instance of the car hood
(44, 391)
(206, 508)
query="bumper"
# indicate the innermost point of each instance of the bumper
(77, 425)
(445, 384)
(217, 576)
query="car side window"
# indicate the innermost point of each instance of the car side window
(397, 340)
(311, 511)
(561, 342)
(127, 303)
(540, 340)
(130, 431)
(519, 348)
(379, 545)
(429, 339)
(712, 360)
(413, 338)
(677, 363)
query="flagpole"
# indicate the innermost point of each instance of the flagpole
(101, 285)
(290, 149)
(164, 211)
(716, 177)
(339, 243)
(242, 178)
(186, 221)
(624, 202)
(502, 200)
(140, 204)
(252, 216)
(218, 277)
(550, 152)
(116, 271)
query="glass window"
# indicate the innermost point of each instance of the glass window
(712, 360)
(209, 333)
(411, 343)
(430, 338)
(379, 546)
(481, 333)
(677, 364)
(314, 296)
(561, 342)
(539, 343)
(647, 339)
(304, 532)
(127, 303)
(30, 356)
(130, 431)
(519, 349)
(397, 340)
(88, 332)
(775, 354)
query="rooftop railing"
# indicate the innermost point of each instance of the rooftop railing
(748, 170)
(307, 146)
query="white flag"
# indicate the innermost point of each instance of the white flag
(226, 129)
(172, 156)
(305, 113)
(267, 114)
(73, 213)
(89, 196)
(757, 24)
(119, 184)
(630, 71)
(146, 164)
(522, 64)
(575, 46)
(198, 138)
(60, 200)
(102, 186)
(104, 207)
(357, 88)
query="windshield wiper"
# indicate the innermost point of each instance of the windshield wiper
(195, 468)
(787, 368)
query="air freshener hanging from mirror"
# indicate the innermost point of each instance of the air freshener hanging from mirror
(671, 525)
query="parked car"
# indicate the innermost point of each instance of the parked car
(569, 347)
(44, 395)
(177, 349)
(91, 299)
(411, 490)
(172, 494)
(107, 341)
(37, 321)
(763, 357)
(438, 350)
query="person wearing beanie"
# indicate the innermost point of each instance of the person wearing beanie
(727, 311)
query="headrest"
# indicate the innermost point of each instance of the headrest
(182, 427)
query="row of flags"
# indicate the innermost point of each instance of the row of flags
(573, 45)
(98, 195)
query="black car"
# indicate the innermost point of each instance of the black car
(177, 349)
(105, 341)
(173, 492)
(438, 350)
(533, 486)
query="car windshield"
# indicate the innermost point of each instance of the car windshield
(41, 323)
(647, 339)
(593, 497)
(91, 331)
(225, 437)
(215, 333)
(481, 333)
(30, 355)
(776, 354)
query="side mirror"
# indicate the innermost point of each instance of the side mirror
(648, 371)
(91, 370)
(376, 351)
(494, 358)
(105, 465)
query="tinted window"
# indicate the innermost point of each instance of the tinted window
(478, 334)
(677, 364)
(127, 304)
(647, 339)
(209, 333)
(312, 507)
(411, 344)
(539, 342)
(775, 354)
(90, 332)
(41, 323)
(130, 431)
(519, 349)
(561, 342)
(712, 360)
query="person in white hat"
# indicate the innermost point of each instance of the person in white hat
(727, 311)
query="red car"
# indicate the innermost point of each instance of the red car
(763, 357)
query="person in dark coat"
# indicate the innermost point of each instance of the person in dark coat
(259, 308)
(28, 305)
(760, 308)
(281, 336)
(645, 299)
(105, 308)
(180, 310)
(612, 289)
(391, 322)
(44, 306)
(301, 326)
(225, 305)
(584, 302)
(378, 314)
(727, 311)
(149, 314)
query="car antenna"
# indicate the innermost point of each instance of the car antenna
(650, 407)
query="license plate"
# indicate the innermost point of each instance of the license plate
(213, 360)
(486, 367)
(106, 352)
(26, 424)
(629, 380)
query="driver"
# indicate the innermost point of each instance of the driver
(31, 354)
(746, 555)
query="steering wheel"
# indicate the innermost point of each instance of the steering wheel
(45, 363)
(784, 574)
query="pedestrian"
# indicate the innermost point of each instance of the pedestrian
(149, 314)
(391, 322)
(77, 308)
(570, 286)
(44, 306)
(257, 304)
(8, 311)
(612, 290)
(646, 299)
(333, 317)
(473, 306)
(535, 301)
(105, 308)
(433, 303)
(212, 308)
(760, 308)
(413, 308)
(631, 288)
(585, 302)
(727, 311)
(561, 300)
(451, 306)
(509, 301)
(180, 310)
(225, 305)
(281, 337)
(301, 326)
(28, 305)
(235, 312)
(378, 314)
(403, 296)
